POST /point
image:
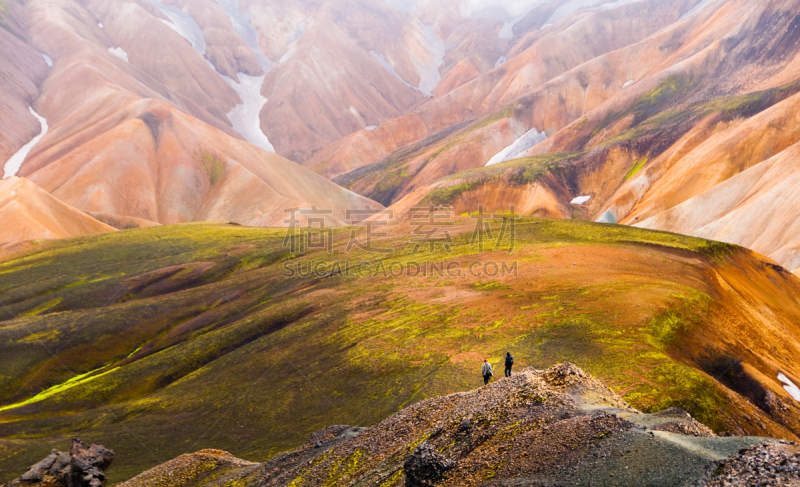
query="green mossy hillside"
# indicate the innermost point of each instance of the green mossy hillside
(166, 340)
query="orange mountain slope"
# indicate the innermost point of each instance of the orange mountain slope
(29, 213)
(534, 60)
(715, 95)
(159, 164)
(142, 138)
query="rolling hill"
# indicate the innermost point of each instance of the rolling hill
(192, 336)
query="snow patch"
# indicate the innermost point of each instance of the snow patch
(100, 24)
(700, 6)
(608, 217)
(428, 69)
(245, 117)
(627, 84)
(567, 8)
(613, 5)
(502, 10)
(792, 389)
(15, 162)
(241, 25)
(289, 53)
(507, 31)
(518, 147)
(355, 113)
(507, 11)
(580, 200)
(370, 127)
(500, 61)
(427, 66)
(47, 60)
(296, 33)
(183, 24)
(119, 52)
(388, 67)
(406, 6)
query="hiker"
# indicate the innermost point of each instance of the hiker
(486, 370)
(509, 363)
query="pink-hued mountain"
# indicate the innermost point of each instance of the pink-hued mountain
(29, 213)
(141, 128)
(648, 107)
(648, 123)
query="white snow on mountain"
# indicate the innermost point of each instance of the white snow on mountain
(518, 147)
(700, 6)
(119, 52)
(241, 25)
(245, 117)
(183, 24)
(792, 389)
(507, 11)
(13, 164)
(388, 67)
(428, 67)
(406, 6)
(580, 200)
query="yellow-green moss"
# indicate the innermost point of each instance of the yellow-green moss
(636, 167)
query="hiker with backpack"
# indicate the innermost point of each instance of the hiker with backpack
(509, 363)
(487, 372)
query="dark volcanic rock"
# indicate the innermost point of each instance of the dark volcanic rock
(425, 466)
(81, 467)
(770, 464)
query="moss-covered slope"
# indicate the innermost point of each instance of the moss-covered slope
(161, 341)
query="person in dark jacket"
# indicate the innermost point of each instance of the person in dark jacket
(487, 372)
(509, 363)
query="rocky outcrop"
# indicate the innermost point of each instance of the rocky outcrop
(425, 467)
(80, 467)
(772, 464)
(557, 426)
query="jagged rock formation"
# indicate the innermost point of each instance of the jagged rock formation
(548, 427)
(80, 467)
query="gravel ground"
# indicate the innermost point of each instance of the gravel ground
(776, 463)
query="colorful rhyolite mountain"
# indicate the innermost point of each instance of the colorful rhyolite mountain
(682, 115)
(666, 114)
